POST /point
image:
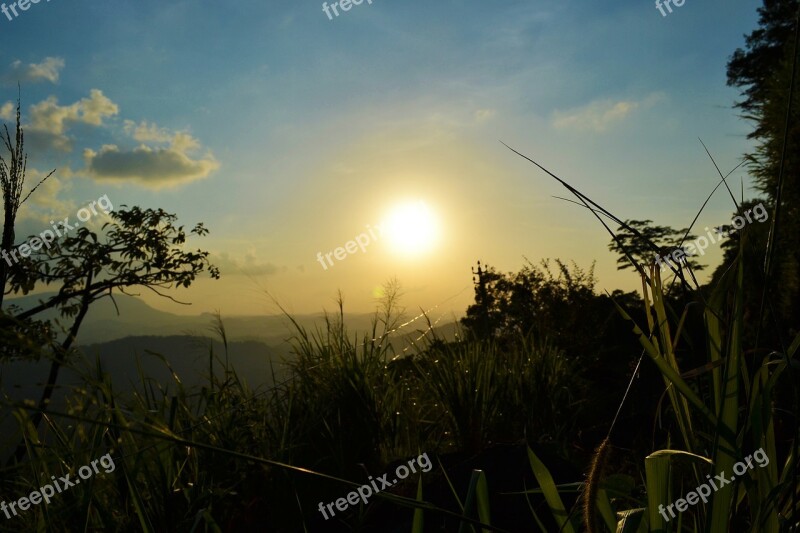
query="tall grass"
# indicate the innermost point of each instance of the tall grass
(157, 485)
(341, 401)
(225, 456)
(488, 391)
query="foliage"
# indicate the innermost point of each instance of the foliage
(561, 307)
(636, 237)
(762, 71)
(767, 71)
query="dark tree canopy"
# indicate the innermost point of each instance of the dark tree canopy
(766, 71)
(550, 301)
(763, 72)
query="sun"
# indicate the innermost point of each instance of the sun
(411, 228)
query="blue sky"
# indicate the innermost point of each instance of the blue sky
(287, 133)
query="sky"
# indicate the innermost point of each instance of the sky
(289, 133)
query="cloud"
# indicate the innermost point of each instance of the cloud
(47, 70)
(145, 132)
(247, 266)
(153, 167)
(162, 158)
(48, 200)
(600, 115)
(50, 121)
(8, 111)
(47, 192)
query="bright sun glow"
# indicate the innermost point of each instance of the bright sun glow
(411, 228)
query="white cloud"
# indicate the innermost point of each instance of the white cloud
(47, 194)
(600, 115)
(51, 117)
(49, 121)
(146, 132)
(162, 158)
(49, 200)
(47, 70)
(153, 167)
(8, 111)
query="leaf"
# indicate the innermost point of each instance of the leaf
(550, 491)
(418, 523)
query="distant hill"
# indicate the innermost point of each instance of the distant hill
(190, 357)
(135, 318)
(126, 360)
(256, 344)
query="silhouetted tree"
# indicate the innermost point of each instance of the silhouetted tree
(562, 307)
(762, 70)
(139, 248)
(766, 72)
(484, 318)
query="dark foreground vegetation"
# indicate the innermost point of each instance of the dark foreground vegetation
(556, 407)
